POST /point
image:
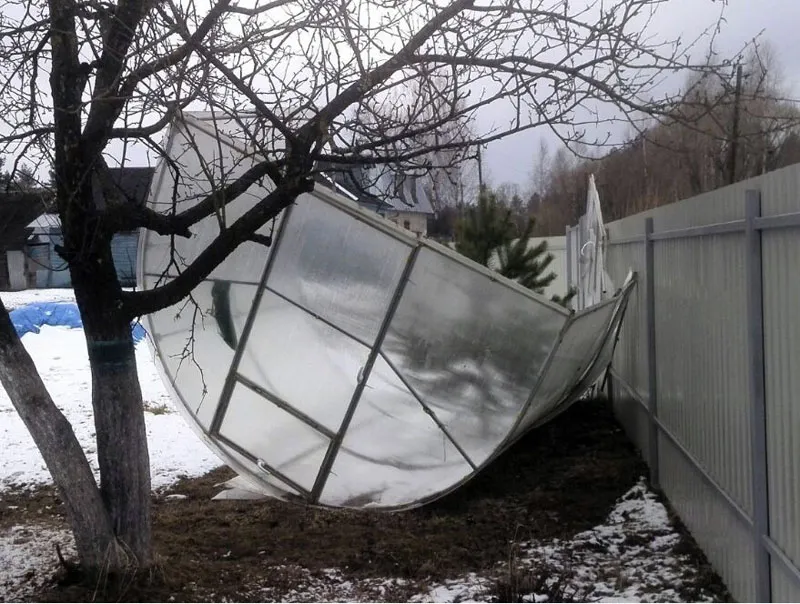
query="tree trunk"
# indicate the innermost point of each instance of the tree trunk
(53, 434)
(117, 402)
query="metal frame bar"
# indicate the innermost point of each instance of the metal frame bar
(261, 464)
(230, 379)
(778, 554)
(758, 415)
(429, 411)
(781, 221)
(652, 366)
(626, 240)
(717, 228)
(336, 442)
(317, 316)
(761, 223)
(281, 404)
(741, 515)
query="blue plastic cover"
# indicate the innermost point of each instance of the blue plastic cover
(31, 317)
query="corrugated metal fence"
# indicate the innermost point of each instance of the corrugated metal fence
(706, 377)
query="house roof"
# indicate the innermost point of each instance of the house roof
(382, 188)
(132, 182)
(16, 211)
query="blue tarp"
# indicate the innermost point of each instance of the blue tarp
(31, 317)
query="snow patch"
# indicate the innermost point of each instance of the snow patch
(628, 558)
(12, 300)
(297, 584)
(63, 362)
(28, 559)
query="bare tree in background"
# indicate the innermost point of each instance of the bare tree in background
(718, 132)
(85, 83)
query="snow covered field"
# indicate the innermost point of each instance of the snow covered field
(61, 357)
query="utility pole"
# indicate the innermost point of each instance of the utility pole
(480, 171)
(734, 143)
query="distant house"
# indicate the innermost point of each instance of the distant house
(42, 267)
(403, 199)
(16, 211)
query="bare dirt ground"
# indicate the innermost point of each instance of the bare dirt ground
(560, 480)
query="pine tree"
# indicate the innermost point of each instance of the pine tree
(488, 230)
(526, 265)
(483, 228)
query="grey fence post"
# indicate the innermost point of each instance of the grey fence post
(758, 414)
(652, 380)
(568, 243)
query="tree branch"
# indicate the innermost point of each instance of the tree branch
(140, 303)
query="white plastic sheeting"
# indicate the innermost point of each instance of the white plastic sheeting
(350, 363)
(593, 281)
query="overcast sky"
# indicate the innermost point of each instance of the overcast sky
(776, 21)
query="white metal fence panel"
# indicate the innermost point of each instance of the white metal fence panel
(721, 325)
(781, 250)
(701, 352)
(722, 535)
(784, 589)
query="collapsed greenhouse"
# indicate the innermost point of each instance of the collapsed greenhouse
(350, 363)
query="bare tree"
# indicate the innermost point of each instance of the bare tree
(88, 84)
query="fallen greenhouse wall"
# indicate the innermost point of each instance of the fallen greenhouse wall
(350, 363)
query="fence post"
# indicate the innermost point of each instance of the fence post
(758, 415)
(568, 242)
(652, 381)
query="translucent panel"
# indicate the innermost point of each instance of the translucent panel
(271, 485)
(338, 267)
(282, 441)
(472, 351)
(196, 340)
(205, 166)
(393, 452)
(302, 361)
(572, 358)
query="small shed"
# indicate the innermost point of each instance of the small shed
(36, 233)
(17, 210)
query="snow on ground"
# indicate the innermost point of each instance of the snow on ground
(28, 559)
(61, 358)
(631, 557)
(12, 300)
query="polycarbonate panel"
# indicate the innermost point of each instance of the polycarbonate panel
(196, 340)
(472, 351)
(393, 451)
(724, 538)
(572, 358)
(702, 354)
(205, 166)
(267, 483)
(592, 375)
(302, 361)
(781, 260)
(338, 267)
(282, 441)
